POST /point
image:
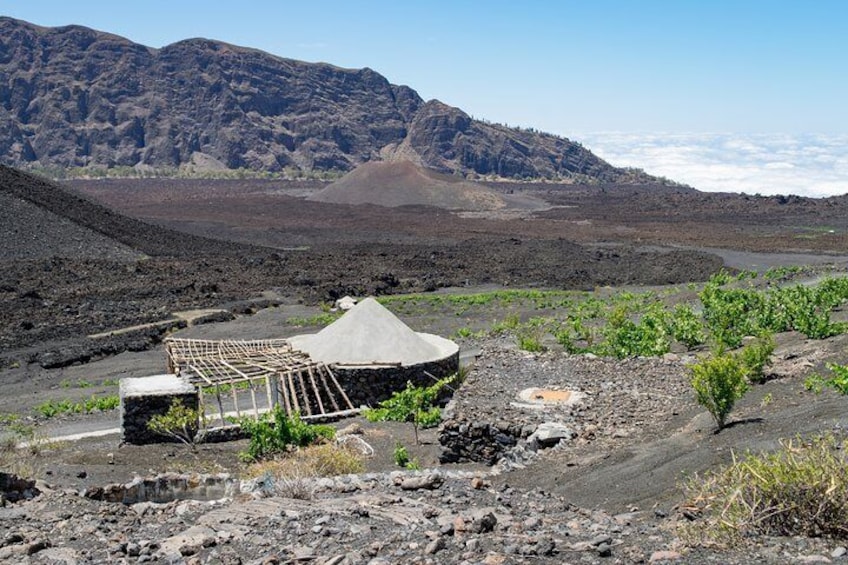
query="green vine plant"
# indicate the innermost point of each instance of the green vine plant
(276, 433)
(413, 404)
(838, 381)
(719, 381)
(180, 422)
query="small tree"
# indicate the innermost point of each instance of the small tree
(719, 382)
(180, 423)
(413, 404)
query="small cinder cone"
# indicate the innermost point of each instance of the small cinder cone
(368, 334)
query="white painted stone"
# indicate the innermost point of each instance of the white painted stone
(345, 303)
(155, 385)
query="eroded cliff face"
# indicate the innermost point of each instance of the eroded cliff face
(77, 97)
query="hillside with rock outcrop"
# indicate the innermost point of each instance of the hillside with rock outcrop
(76, 97)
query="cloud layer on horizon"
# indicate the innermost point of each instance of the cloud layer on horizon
(806, 165)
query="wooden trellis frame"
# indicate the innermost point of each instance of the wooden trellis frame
(288, 376)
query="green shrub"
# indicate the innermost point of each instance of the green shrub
(413, 465)
(511, 322)
(94, 403)
(179, 422)
(686, 326)
(839, 380)
(275, 433)
(400, 455)
(808, 310)
(626, 338)
(799, 490)
(731, 314)
(755, 356)
(530, 341)
(413, 404)
(719, 382)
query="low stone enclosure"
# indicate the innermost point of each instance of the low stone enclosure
(359, 360)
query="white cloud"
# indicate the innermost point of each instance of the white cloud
(807, 165)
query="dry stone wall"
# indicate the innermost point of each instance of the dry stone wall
(367, 386)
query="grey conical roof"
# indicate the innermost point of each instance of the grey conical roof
(369, 334)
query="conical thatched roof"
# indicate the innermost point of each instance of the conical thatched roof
(369, 334)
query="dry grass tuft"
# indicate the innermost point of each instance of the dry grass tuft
(292, 474)
(800, 489)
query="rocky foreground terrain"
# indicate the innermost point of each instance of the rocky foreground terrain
(610, 491)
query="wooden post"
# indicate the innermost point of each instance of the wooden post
(320, 369)
(303, 390)
(341, 390)
(315, 389)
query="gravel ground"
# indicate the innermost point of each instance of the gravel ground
(610, 493)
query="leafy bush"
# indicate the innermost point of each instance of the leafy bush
(801, 489)
(808, 310)
(731, 314)
(413, 465)
(400, 455)
(839, 380)
(530, 341)
(94, 403)
(719, 381)
(466, 332)
(275, 433)
(777, 273)
(511, 322)
(180, 423)
(626, 338)
(413, 404)
(755, 356)
(686, 326)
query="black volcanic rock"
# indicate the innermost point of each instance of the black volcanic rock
(42, 219)
(75, 97)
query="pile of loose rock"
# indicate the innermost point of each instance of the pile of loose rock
(14, 488)
(487, 421)
(402, 517)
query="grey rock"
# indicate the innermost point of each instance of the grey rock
(435, 546)
(482, 521)
(532, 523)
(430, 481)
(548, 434)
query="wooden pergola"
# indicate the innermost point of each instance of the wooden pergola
(287, 377)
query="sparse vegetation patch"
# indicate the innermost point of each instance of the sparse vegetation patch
(800, 489)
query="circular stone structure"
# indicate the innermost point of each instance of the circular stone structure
(373, 354)
(538, 397)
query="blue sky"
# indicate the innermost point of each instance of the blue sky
(643, 82)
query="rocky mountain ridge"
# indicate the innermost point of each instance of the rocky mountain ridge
(76, 97)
